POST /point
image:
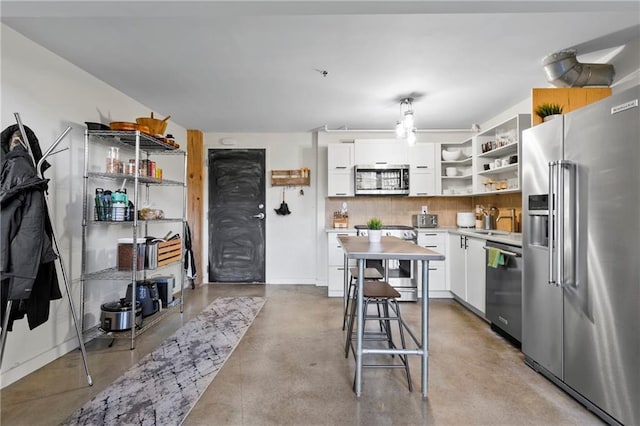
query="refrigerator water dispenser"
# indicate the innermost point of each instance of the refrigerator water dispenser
(538, 217)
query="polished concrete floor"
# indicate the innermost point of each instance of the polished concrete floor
(290, 369)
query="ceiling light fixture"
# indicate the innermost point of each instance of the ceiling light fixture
(405, 127)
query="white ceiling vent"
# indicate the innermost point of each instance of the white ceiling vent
(563, 70)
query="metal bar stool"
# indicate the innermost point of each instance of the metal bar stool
(369, 274)
(383, 295)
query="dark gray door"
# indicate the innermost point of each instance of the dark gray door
(236, 215)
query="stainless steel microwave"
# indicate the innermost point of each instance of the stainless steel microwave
(382, 179)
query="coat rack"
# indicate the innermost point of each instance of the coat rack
(5, 320)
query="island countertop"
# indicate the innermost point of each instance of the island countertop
(361, 249)
(387, 248)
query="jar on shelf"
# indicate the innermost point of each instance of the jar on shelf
(113, 160)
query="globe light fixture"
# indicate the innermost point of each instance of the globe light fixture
(405, 127)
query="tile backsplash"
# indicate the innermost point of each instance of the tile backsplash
(398, 210)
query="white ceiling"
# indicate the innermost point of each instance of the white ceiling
(256, 66)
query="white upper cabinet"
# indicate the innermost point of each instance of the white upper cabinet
(422, 156)
(340, 157)
(422, 167)
(370, 152)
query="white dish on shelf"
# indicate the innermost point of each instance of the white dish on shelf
(451, 154)
(451, 171)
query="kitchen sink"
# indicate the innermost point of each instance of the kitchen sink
(490, 232)
(505, 236)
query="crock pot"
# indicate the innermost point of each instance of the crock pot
(466, 220)
(116, 316)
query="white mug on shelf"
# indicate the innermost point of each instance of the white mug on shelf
(505, 162)
(497, 163)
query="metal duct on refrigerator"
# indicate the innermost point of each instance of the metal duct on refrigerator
(563, 70)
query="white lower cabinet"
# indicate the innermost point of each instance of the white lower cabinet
(476, 274)
(335, 260)
(456, 266)
(438, 286)
(466, 270)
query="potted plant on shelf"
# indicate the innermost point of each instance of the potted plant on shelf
(548, 111)
(375, 229)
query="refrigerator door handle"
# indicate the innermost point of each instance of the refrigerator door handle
(560, 188)
(567, 223)
(553, 186)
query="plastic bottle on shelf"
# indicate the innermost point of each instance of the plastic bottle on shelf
(118, 206)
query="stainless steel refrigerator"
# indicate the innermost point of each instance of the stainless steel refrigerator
(581, 272)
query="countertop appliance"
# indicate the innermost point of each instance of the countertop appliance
(166, 285)
(425, 220)
(116, 316)
(504, 291)
(148, 296)
(466, 220)
(581, 277)
(398, 273)
(381, 179)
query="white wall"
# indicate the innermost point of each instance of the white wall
(51, 94)
(291, 241)
(626, 65)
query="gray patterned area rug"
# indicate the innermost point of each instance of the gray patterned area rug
(163, 387)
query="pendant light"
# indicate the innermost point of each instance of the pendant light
(405, 127)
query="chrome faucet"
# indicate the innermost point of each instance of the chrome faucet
(512, 216)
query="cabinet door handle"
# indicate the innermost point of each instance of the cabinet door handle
(422, 193)
(341, 193)
(341, 167)
(422, 167)
(381, 162)
(431, 246)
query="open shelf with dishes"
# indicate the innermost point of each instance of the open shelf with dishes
(497, 156)
(456, 168)
(488, 162)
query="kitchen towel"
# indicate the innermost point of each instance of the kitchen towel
(165, 385)
(495, 257)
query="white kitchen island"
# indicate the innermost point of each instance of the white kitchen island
(360, 249)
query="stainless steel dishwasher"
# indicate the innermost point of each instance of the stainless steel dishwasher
(504, 291)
